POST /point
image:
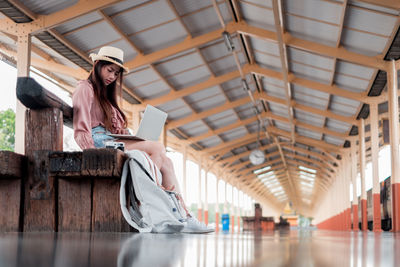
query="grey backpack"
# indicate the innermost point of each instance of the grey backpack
(145, 204)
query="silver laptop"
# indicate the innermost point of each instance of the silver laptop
(150, 126)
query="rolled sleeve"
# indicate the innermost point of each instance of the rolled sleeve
(82, 100)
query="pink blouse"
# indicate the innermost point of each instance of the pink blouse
(88, 114)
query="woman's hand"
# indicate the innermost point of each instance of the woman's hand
(122, 131)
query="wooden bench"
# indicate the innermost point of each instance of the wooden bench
(50, 190)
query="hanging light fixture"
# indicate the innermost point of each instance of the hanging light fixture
(245, 85)
(228, 41)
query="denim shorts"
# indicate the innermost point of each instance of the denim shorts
(100, 135)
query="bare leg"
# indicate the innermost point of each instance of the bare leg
(157, 153)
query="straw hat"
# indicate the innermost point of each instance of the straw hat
(110, 54)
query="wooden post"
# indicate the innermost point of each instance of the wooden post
(106, 211)
(363, 202)
(354, 181)
(88, 182)
(74, 194)
(12, 168)
(23, 64)
(394, 143)
(373, 111)
(74, 205)
(45, 134)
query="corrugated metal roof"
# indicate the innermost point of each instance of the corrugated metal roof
(76, 24)
(257, 14)
(309, 118)
(48, 6)
(205, 20)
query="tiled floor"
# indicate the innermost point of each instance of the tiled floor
(294, 248)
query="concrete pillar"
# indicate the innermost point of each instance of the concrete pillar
(394, 143)
(347, 185)
(217, 207)
(338, 194)
(206, 198)
(23, 64)
(341, 194)
(239, 209)
(354, 182)
(226, 198)
(345, 192)
(184, 182)
(336, 203)
(376, 206)
(199, 202)
(363, 202)
(232, 211)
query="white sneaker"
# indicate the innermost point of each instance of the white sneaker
(193, 226)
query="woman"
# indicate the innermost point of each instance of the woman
(97, 114)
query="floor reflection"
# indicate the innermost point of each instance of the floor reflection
(287, 248)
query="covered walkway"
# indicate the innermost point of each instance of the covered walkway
(284, 103)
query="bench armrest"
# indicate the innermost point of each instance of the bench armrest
(34, 96)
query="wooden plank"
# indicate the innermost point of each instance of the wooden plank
(95, 163)
(74, 205)
(10, 199)
(39, 208)
(78, 171)
(65, 164)
(44, 130)
(11, 165)
(105, 162)
(106, 213)
(34, 96)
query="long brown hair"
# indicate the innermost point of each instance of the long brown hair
(106, 95)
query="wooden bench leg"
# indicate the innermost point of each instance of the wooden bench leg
(44, 132)
(10, 197)
(107, 215)
(74, 205)
(12, 169)
(40, 195)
